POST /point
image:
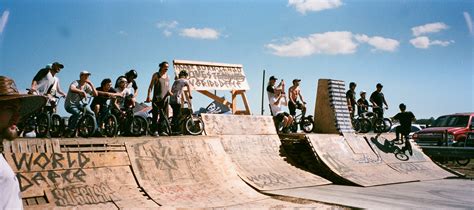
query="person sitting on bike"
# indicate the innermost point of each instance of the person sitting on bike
(362, 104)
(405, 118)
(277, 99)
(46, 82)
(105, 92)
(378, 100)
(351, 98)
(160, 84)
(124, 99)
(293, 104)
(78, 90)
(131, 76)
(175, 99)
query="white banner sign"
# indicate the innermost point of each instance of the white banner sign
(213, 76)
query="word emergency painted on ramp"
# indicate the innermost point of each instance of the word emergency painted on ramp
(188, 172)
(254, 147)
(49, 177)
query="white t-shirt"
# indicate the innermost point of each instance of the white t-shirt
(44, 84)
(276, 109)
(177, 90)
(75, 98)
(10, 195)
(124, 93)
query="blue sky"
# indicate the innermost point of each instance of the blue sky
(422, 51)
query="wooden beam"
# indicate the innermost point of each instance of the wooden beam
(216, 98)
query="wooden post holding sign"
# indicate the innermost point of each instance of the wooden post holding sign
(206, 76)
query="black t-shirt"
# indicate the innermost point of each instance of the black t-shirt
(41, 74)
(405, 119)
(361, 109)
(351, 96)
(102, 100)
(271, 89)
(378, 98)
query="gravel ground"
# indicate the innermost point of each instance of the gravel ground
(467, 170)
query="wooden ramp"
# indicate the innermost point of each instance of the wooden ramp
(360, 161)
(255, 150)
(188, 172)
(50, 176)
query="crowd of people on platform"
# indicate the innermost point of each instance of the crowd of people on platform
(118, 96)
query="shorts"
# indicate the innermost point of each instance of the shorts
(279, 117)
(293, 106)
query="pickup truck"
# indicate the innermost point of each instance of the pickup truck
(447, 130)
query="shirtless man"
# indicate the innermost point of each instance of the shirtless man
(294, 104)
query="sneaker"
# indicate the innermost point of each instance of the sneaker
(155, 133)
(163, 134)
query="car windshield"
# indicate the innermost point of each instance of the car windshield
(451, 121)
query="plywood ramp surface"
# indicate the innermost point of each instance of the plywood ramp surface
(50, 178)
(258, 162)
(418, 165)
(188, 172)
(362, 168)
(219, 124)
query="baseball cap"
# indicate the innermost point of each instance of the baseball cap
(273, 78)
(296, 80)
(58, 65)
(379, 85)
(84, 72)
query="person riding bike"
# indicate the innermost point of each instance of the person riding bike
(405, 118)
(293, 104)
(160, 84)
(131, 76)
(175, 99)
(105, 92)
(362, 104)
(77, 91)
(123, 100)
(46, 82)
(378, 100)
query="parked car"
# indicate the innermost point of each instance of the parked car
(414, 128)
(450, 130)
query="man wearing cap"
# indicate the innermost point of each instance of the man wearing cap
(77, 91)
(378, 100)
(13, 108)
(46, 81)
(277, 99)
(362, 103)
(293, 103)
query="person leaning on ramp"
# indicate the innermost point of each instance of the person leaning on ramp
(14, 107)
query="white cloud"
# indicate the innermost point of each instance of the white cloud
(428, 28)
(424, 42)
(167, 24)
(4, 20)
(468, 19)
(200, 33)
(167, 27)
(333, 43)
(123, 33)
(303, 6)
(379, 43)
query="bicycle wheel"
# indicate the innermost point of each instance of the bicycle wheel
(136, 127)
(194, 125)
(42, 125)
(56, 126)
(356, 125)
(463, 162)
(143, 126)
(365, 125)
(387, 124)
(307, 125)
(86, 126)
(379, 126)
(110, 126)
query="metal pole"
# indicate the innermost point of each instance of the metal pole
(263, 92)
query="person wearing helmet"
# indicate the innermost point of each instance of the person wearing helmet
(351, 98)
(131, 83)
(175, 99)
(362, 103)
